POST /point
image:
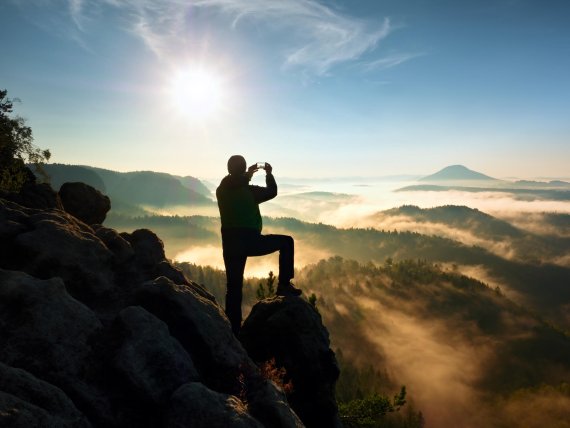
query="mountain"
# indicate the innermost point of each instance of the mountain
(131, 191)
(522, 194)
(461, 217)
(528, 184)
(457, 173)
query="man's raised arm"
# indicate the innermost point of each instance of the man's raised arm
(263, 194)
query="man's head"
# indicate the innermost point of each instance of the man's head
(236, 165)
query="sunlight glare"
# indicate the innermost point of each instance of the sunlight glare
(198, 93)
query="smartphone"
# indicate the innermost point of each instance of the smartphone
(260, 165)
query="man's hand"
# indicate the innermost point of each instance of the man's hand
(251, 170)
(268, 168)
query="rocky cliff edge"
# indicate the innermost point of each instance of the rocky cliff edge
(98, 329)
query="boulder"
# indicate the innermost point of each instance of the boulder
(49, 334)
(152, 362)
(84, 202)
(26, 401)
(119, 246)
(202, 328)
(290, 330)
(17, 413)
(194, 405)
(105, 332)
(56, 244)
(149, 248)
(268, 404)
(32, 195)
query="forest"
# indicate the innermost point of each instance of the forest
(394, 323)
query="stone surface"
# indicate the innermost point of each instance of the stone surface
(268, 404)
(49, 334)
(194, 405)
(26, 401)
(290, 330)
(151, 361)
(118, 245)
(32, 195)
(98, 329)
(59, 245)
(149, 248)
(201, 327)
(84, 202)
(17, 413)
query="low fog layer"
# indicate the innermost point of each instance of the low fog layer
(466, 354)
(467, 361)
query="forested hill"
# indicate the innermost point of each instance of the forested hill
(468, 355)
(134, 188)
(534, 280)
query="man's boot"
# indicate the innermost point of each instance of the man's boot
(287, 289)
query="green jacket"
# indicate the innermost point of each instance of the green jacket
(239, 201)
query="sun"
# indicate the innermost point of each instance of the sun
(198, 93)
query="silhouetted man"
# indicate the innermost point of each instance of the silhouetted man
(238, 202)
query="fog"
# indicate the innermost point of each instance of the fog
(442, 356)
(211, 255)
(435, 363)
(351, 202)
(357, 204)
(440, 361)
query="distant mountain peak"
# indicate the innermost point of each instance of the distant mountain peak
(457, 172)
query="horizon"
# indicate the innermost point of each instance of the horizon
(319, 89)
(404, 176)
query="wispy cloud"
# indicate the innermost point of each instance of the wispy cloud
(76, 12)
(315, 37)
(324, 37)
(390, 61)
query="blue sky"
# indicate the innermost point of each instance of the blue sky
(317, 88)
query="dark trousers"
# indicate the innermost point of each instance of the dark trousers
(238, 245)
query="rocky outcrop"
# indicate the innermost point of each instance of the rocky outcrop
(27, 401)
(98, 329)
(84, 202)
(290, 330)
(152, 363)
(194, 405)
(32, 195)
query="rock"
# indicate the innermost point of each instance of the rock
(149, 249)
(268, 404)
(17, 413)
(165, 269)
(40, 318)
(58, 245)
(118, 245)
(26, 401)
(105, 332)
(151, 361)
(194, 405)
(201, 326)
(49, 334)
(32, 195)
(13, 221)
(84, 202)
(291, 331)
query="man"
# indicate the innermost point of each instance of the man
(238, 202)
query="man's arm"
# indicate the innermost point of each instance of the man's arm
(263, 194)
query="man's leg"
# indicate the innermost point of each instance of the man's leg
(235, 265)
(267, 244)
